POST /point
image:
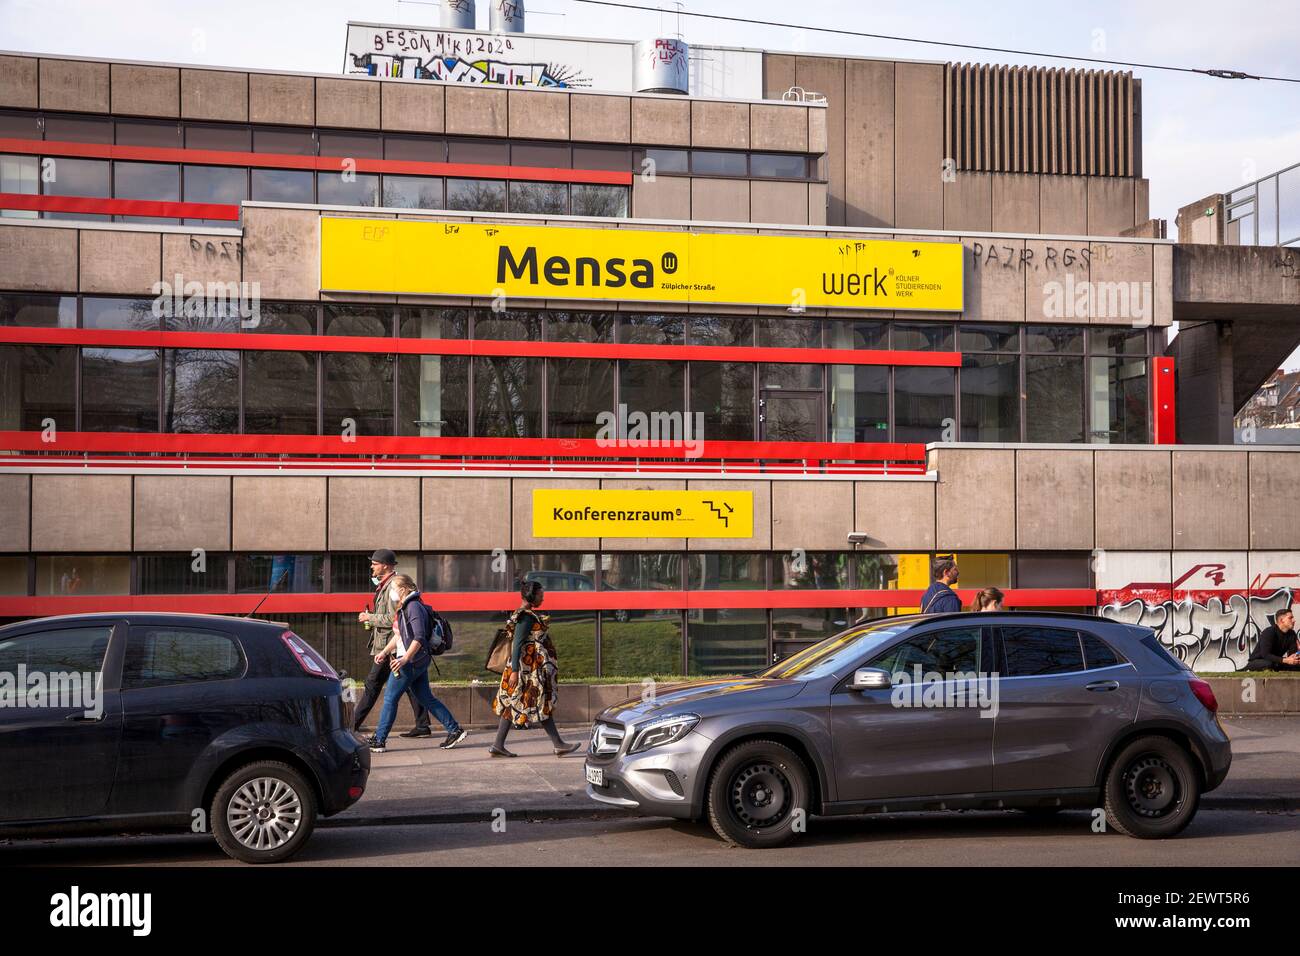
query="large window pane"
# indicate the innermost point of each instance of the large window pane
(347, 189)
(77, 177)
(922, 336)
(578, 391)
(201, 391)
(349, 145)
(476, 195)
(37, 382)
(778, 166)
(640, 643)
(716, 162)
(1053, 338)
(293, 142)
(153, 181)
(651, 329)
(285, 318)
(283, 185)
(1054, 398)
(1120, 400)
(857, 334)
(790, 333)
(923, 403)
(40, 311)
(21, 175)
(374, 321)
(433, 395)
(817, 570)
(78, 129)
(412, 192)
(226, 185)
(580, 327)
(187, 573)
(280, 393)
(990, 398)
(860, 403)
(642, 571)
(358, 390)
(654, 387)
(726, 641)
(489, 152)
(128, 314)
(119, 390)
(291, 573)
(13, 574)
(595, 200)
(724, 392)
(1118, 341)
(728, 571)
(428, 322)
(420, 149)
(722, 330)
(655, 161)
(82, 574)
(989, 338)
(522, 326)
(508, 397)
(466, 572)
(539, 198)
(219, 136)
(793, 629)
(780, 375)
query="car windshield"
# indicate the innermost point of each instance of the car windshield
(839, 652)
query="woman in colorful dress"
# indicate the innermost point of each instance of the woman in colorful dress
(530, 682)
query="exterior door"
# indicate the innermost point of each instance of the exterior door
(59, 746)
(920, 738)
(1057, 714)
(785, 415)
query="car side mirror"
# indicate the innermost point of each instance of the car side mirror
(871, 678)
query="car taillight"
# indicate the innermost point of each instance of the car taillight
(313, 664)
(1205, 694)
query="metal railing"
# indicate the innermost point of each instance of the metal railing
(1265, 212)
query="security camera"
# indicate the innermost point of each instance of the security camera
(858, 537)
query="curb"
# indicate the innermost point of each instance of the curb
(597, 812)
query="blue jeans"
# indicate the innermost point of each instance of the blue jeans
(417, 679)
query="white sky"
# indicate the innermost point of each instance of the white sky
(1201, 135)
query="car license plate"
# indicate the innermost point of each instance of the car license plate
(596, 776)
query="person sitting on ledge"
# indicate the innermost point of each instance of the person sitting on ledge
(1276, 649)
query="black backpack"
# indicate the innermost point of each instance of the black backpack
(440, 630)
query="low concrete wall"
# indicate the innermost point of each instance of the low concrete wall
(580, 703)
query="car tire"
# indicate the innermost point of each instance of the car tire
(758, 795)
(263, 812)
(1152, 789)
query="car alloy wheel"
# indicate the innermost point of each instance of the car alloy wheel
(1151, 786)
(760, 795)
(264, 813)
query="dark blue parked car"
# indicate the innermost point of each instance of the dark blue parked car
(173, 721)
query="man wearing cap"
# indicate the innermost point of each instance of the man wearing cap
(383, 563)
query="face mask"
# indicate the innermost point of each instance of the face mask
(395, 595)
(374, 581)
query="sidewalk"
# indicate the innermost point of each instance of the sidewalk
(415, 782)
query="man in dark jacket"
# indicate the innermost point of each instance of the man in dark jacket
(383, 565)
(939, 597)
(1277, 648)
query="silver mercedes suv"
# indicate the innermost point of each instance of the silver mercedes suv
(1005, 710)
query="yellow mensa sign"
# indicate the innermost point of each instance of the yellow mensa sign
(614, 513)
(418, 257)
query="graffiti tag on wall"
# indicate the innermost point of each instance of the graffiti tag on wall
(1205, 632)
(455, 57)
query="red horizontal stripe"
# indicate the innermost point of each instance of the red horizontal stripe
(387, 445)
(126, 338)
(508, 600)
(120, 207)
(213, 157)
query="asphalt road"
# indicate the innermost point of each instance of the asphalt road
(1215, 838)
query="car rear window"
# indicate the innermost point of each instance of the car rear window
(1097, 653)
(158, 656)
(1039, 651)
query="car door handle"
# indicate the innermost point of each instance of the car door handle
(84, 718)
(1101, 685)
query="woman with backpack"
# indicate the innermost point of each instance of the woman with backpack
(413, 638)
(530, 682)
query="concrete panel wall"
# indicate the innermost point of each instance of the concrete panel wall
(1054, 502)
(521, 510)
(1121, 274)
(144, 90)
(662, 121)
(1110, 205)
(282, 251)
(15, 512)
(473, 111)
(762, 539)
(918, 145)
(868, 143)
(287, 100)
(120, 263)
(600, 119)
(1015, 203)
(1134, 500)
(19, 87)
(968, 202)
(1272, 500)
(1063, 205)
(63, 507)
(896, 515)
(283, 514)
(216, 258)
(826, 75)
(447, 500)
(369, 513)
(778, 128)
(721, 200)
(538, 114)
(664, 197)
(995, 279)
(38, 260)
(416, 107)
(975, 499)
(719, 125)
(811, 517)
(1210, 500)
(778, 202)
(214, 95)
(74, 85)
(347, 103)
(182, 512)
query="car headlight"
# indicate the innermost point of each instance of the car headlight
(665, 730)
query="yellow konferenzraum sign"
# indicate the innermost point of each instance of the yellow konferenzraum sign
(417, 257)
(610, 513)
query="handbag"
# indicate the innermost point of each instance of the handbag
(498, 655)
